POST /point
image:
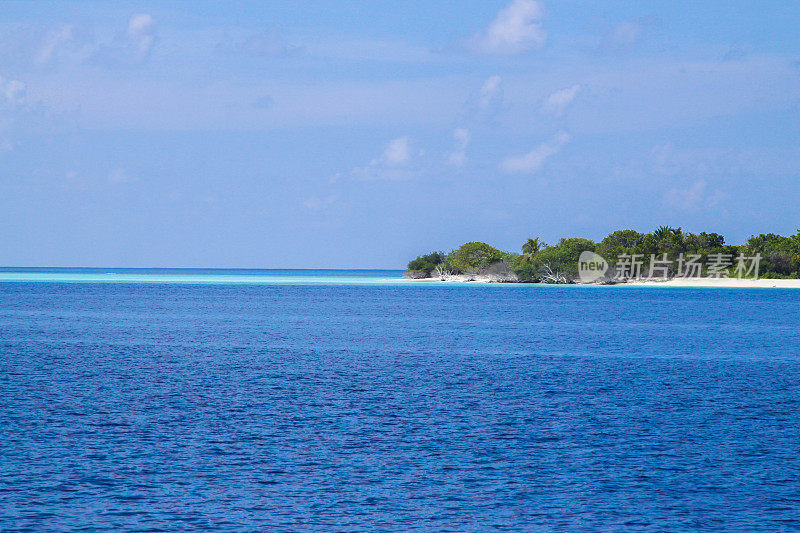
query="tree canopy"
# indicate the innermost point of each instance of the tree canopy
(473, 256)
(780, 255)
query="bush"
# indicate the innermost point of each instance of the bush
(473, 256)
(620, 242)
(526, 271)
(563, 257)
(426, 263)
(780, 256)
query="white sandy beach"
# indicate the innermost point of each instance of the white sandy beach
(733, 283)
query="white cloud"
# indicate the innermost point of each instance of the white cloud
(14, 113)
(130, 47)
(316, 203)
(558, 101)
(459, 154)
(53, 42)
(13, 91)
(621, 37)
(626, 34)
(533, 160)
(142, 33)
(391, 165)
(491, 93)
(396, 153)
(516, 28)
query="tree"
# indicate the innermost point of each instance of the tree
(663, 232)
(427, 263)
(563, 257)
(620, 242)
(530, 249)
(780, 255)
(669, 241)
(473, 256)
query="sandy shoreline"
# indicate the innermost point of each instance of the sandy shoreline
(727, 283)
(722, 283)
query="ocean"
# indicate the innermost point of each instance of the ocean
(217, 400)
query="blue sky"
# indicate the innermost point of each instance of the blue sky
(360, 134)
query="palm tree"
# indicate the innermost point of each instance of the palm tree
(662, 232)
(530, 249)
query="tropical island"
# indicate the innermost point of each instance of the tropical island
(625, 256)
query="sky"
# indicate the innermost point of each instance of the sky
(361, 134)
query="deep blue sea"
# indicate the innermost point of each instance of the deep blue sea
(165, 400)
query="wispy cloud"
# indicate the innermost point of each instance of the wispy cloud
(533, 160)
(392, 164)
(13, 91)
(664, 159)
(14, 110)
(516, 28)
(626, 33)
(142, 33)
(316, 203)
(486, 102)
(459, 155)
(53, 42)
(686, 199)
(130, 48)
(559, 100)
(491, 93)
(395, 154)
(694, 197)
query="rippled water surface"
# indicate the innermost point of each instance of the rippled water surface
(356, 406)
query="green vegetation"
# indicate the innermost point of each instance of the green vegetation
(530, 249)
(666, 250)
(425, 264)
(471, 257)
(781, 255)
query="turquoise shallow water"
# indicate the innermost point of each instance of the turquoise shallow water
(208, 276)
(315, 405)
